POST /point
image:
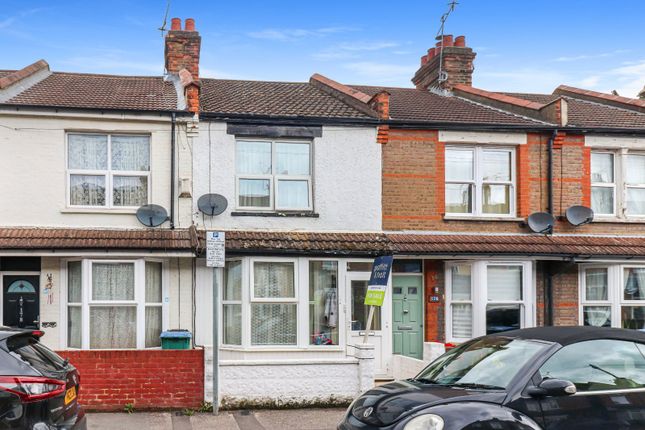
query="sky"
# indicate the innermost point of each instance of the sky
(521, 45)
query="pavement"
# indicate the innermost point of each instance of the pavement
(290, 419)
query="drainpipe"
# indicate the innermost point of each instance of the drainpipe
(547, 273)
(173, 125)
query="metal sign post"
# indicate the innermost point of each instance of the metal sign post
(376, 288)
(216, 258)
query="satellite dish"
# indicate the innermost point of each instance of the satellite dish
(212, 204)
(152, 215)
(541, 222)
(579, 215)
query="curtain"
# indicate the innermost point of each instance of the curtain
(233, 281)
(635, 172)
(74, 326)
(253, 158)
(273, 324)
(496, 165)
(504, 283)
(232, 324)
(459, 198)
(462, 321)
(74, 282)
(461, 282)
(635, 201)
(153, 326)
(496, 199)
(113, 327)
(596, 287)
(634, 284)
(129, 190)
(131, 153)
(87, 190)
(323, 303)
(87, 152)
(114, 281)
(292, 159)
(255, 193)
(598, 316)
(153, 282)
(602, 167)
(602, 200)
(293, 194)
(273, 280)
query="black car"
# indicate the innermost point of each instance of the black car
(38, 388)
(538, 378)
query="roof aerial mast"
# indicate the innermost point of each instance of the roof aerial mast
(443, 75)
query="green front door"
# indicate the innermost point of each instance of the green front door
(407, 315)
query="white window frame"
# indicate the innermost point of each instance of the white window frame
(109, 174)
(615, 285)
(613, 185)
(479, 296)
(87, 302)
(478, 182)
(301, 292)
(620, 186)
(274, 178)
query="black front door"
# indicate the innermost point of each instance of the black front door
(21, 303)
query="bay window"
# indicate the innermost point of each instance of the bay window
(273, 175)
(618, 183)
(114, 304)
(487, 297)
(480, 181)
(280, 302)
(613, 296)
(107, 171)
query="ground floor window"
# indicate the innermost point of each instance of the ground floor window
(486, 297)
(114, 304)
(613, 296)
(280, 302)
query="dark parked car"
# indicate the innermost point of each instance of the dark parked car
(539, 378)
(38, 388)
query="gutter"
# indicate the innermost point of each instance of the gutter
(160, 112)
(286, 120)
(173, 125)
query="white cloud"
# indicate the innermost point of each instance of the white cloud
(381, 72)
(351, 50)
(288, 34)
(590, 56)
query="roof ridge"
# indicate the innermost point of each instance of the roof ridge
(254, 80)
(608, 106)
(107, 75)
(504, 111)
(627, 102)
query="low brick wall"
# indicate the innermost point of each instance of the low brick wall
(157, 379)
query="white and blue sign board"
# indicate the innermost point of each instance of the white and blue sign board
(378, 280)
(215, 249)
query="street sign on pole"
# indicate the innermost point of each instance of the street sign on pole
(215, 249)
(376, 287)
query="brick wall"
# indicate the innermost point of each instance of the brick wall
(435, 321)
(149, 379)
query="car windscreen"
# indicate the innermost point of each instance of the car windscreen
(489, 362)
(37, 355)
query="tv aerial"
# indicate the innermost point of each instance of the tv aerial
(212, 204)
(579, 215)
(541, 222)
(152, 215)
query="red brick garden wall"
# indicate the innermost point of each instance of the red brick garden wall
(159, 379)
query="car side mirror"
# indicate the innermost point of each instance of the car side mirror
(553, 388)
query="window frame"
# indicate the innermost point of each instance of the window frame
(108, 173)
(620, 185)
(274, 178)
(613, 185)
(479, 295)
(478, 182)
(615, 289)
(87, 302)
(301, 290)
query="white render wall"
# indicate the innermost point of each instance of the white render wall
(346, 181)
(33, 167)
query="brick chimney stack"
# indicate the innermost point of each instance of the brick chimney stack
(457, 68)
(181, 54)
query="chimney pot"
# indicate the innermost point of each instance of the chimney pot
(424, 59)
(431, 53)
(175, 24)
(458, 65)
(190, 24)
(447, 40)
(460, 41)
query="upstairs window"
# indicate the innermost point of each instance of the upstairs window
(618, 184)
(107, 171)
(480, 181)
(273, 175)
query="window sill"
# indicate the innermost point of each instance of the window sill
(306, 214)
(260, 349)
(98, 211)
(619, 220)
(481, 218)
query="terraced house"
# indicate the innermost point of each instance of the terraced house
(314, 179)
